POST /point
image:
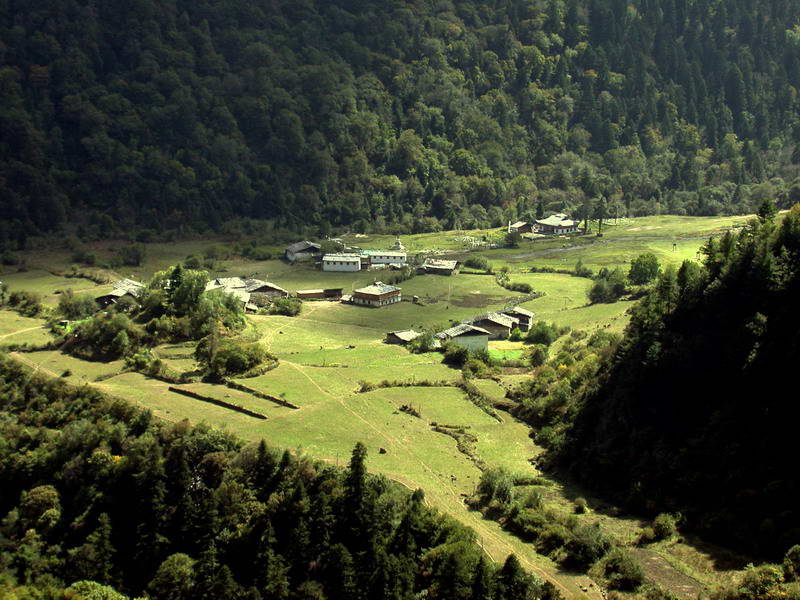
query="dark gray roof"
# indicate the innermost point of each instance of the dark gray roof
(300, 246)
(461, 329)
(497, 318)
(520, 311)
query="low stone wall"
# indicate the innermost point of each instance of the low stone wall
(222, 403)
(243, 388)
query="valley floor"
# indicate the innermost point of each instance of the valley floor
(327, 353)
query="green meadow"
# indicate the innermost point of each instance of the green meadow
(331, 349)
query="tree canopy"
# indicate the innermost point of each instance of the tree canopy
(170, 115)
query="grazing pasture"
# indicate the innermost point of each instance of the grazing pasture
(331, 351)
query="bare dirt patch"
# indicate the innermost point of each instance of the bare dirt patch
(658, 570)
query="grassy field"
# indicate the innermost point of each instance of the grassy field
(328, 351)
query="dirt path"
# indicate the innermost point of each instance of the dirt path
(21, 331)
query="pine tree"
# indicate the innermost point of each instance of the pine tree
(482, 588)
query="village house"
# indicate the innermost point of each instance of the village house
(524, 316)
(440, 267)
(302, 250)
(402, 337)
(467, 336)
(252, 292)
(121, 289)
(520, 227)
(556, 225)
(341, 262)
(376, 295)
(386, 257)
(498, 325)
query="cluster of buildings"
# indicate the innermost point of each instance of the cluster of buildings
(475, 333)
(352, 260)
(553, 225)
(252, 293)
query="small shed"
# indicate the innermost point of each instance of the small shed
(524, 316)
(498, 325)
(467, 336)
(402, 337)
(301, 250)
(440, 267)
(120, 289)
(520, 227)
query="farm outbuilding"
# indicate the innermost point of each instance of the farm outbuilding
(122, 288)
(440, 267)
(524, 316)
(520, 227)
(402, 337)
(301, 250)
(330, 294)
(498, 325)
(467, 336)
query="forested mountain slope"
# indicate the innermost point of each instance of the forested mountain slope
(698, 412)
(179, 115)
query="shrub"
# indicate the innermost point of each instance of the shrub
(515, 335)
(455, 355)
(496, 484)
(536, 355)
(542, 333)
(644, 269)
(133, 255)
(423, 343)
(8, 258)
(74, 307)
(84, 257)
(289, 307)
(192, 262)
(759, 581)
(365, 386)
(622, 572)
(28, 304)
(646, 536)
(229, 358)
(587, 546)
(665, 526)
(524, 288)
(791, 563)
(478, 262)
(581, 270)
(106, 335)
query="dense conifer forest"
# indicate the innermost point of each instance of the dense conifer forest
(101, 499)
(696, 412)
(137, 118)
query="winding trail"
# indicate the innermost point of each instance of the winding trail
(21, 331)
